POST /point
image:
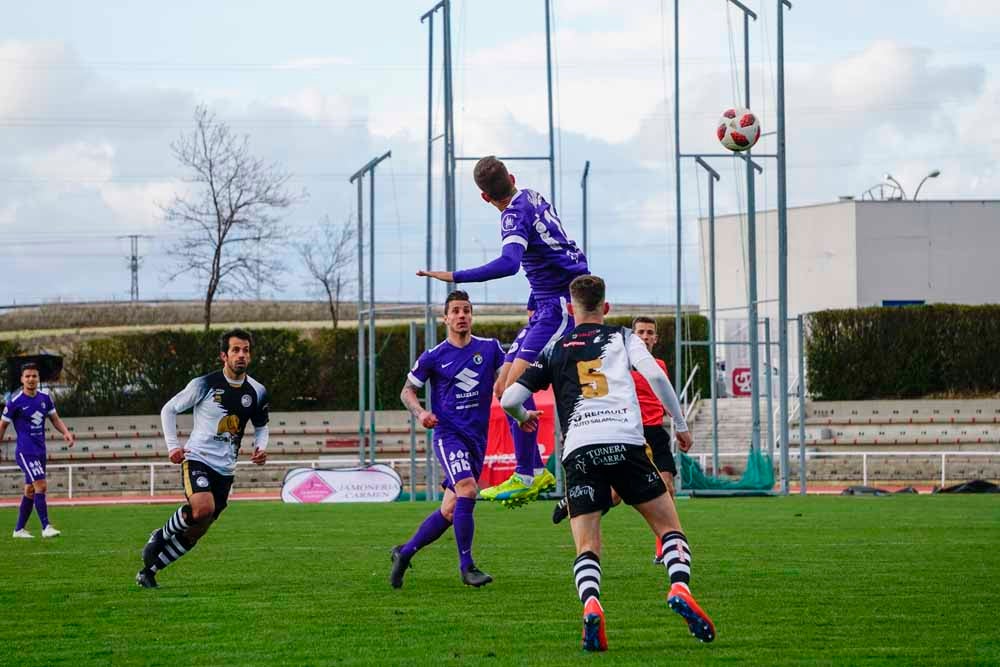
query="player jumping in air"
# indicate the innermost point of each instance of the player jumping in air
(653, 412)
(223, 402)
(589, 370)
(27, 411)
(461, 370)
(532, 237)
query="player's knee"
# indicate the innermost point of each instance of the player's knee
(466, 488)
(203, 513)
(29, 490)
(40, 486)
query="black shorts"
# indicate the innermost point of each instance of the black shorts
(593, 470)
(658, 439)
(199, 478)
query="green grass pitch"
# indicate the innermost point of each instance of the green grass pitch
(817, 580)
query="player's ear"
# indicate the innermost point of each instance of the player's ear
(607, 307)
(513, 181)
(569, 309)
(486, 197)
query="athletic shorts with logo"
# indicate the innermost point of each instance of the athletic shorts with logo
(548, 321)
(32, 466)
(199, 478)
(459, 458)
(593, 470)
(658, 440)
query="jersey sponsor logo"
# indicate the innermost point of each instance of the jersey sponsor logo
(447, 364)
(246, 400)
(574, 343)
(467, 379)
(458, 461)
(37, 418)
(229, 424)
(581, 491)
(201, 482)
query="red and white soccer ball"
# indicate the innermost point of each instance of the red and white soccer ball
(738, 129)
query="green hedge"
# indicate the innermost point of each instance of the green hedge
(910, 352)
(138, 373)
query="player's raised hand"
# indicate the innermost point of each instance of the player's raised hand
(684, 441)
(259, 457)
(443, 276)
(177, 456)
(427, 419)
(530, 422)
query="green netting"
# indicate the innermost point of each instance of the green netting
(758, 476)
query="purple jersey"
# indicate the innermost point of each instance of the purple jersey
(28, 414)
(462, 382)
(551, 260)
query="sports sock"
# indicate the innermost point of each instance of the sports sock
(677, 557)
(465, 528)
(24, 511)
(433, 527)
(42, 508)
(587, 571)
(178, 522)
(525, 448)
(173, 548)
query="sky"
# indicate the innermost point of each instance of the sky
(93, 94)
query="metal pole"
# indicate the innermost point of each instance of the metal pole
(802, 410)
(583, 184)
(371, 317)
(713, 176)
(428, 249)
(413, 420)
(678, 364)
(449, 150)
(770, 386)
(783, 246)
(752, 315)
(548, 78)
(361, 329)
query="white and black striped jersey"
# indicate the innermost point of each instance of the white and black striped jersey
(590, 372)
(222, 409)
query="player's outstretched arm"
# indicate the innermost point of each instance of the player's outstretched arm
(412, 402)
(512, 402)
(443, 276)
(507, 264)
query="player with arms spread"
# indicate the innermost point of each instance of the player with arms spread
(27, 411)
(532, 237)
(461, 370)
(223, 402)
(604, 447)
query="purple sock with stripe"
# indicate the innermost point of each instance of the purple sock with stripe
(465, 528)
(24, 511)
(42, 508)
(433, 527)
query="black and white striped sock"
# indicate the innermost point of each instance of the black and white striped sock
(173, 549)
(677, 557)
(179, 522)
(587, 571)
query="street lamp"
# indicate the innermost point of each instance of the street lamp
(888, 177)
(933, 174)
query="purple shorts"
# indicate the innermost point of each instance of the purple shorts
(548, 322)
(32, 466)
(459, 458)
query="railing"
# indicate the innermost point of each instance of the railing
(703, 458)
(153, 465)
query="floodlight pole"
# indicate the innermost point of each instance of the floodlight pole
(548, 78)
(713, 176)
(783, 248)
(358, 176)
(583, 185)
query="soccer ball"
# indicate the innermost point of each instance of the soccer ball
(738, 129)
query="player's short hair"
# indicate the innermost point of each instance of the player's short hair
(242, 334)
(30, 366)
(587, 292)
(456, 295)
(644, 319)
(492, 178)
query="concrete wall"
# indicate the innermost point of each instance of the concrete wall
(934, 251)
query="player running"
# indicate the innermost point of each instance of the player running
(604, 448)
(461, 370)
(223, 402)
(27, 411)
(653, 412)
(532, 237)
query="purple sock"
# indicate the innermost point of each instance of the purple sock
(24, 512)
(42, 508)
(525, 445)
(465, 528)
(432, 528)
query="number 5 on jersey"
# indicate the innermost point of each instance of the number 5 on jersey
(593, 383)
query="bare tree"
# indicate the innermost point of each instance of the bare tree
(230, 213)
(328, 256)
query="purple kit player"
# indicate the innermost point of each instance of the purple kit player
(532, 237)
(27, 410)
(461, 371)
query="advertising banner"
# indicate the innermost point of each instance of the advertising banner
(374, 484)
